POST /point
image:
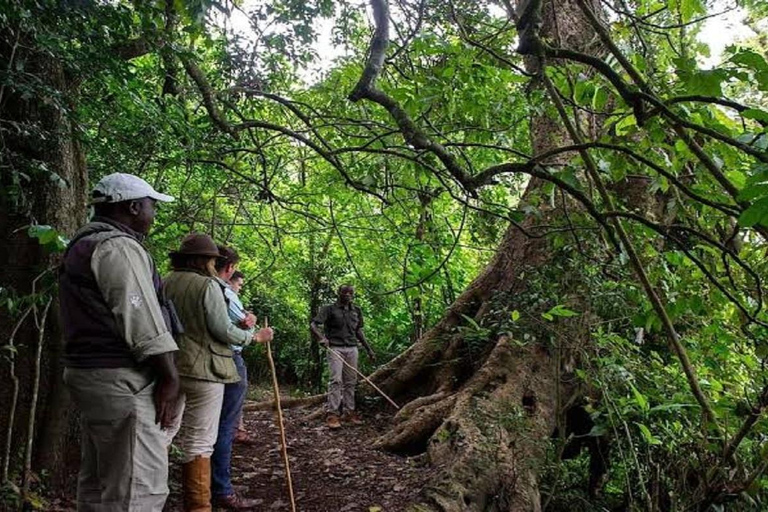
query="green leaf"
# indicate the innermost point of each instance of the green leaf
(600, 98)
(44, 234)
(561, 311)
(755, 214)
(649, 438)
(626, 125)
(753, 192)
(708, 82)
(750, 59)
(597, 431)
(515, 315)
(738, 178)
(472, 322)
(690, 8)
(584, 92)
(759, 174)
(639, 398)
(756, 113)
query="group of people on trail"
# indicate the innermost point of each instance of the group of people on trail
(151, 360)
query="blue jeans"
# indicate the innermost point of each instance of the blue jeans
(234, 396)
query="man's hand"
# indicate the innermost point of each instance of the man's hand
(249, 321)
(371, 354)
(166, 387)
(263, 335)
(166, 394)
(324, 342)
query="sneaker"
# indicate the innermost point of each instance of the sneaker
(353, 418)
(333, 421)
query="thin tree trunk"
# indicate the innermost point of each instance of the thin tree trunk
(27, 470)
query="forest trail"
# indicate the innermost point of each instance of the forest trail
(333, 471)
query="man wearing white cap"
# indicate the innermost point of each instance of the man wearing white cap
(119, 350)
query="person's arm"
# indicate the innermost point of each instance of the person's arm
(123, 272)
(237, 312)
(314, 325)
(217, 318)
(361, 337)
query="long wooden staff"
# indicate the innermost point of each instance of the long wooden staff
(366, 379)
(283, 445)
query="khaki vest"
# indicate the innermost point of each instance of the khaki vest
(200, 355)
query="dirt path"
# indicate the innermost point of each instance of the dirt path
(333, 471)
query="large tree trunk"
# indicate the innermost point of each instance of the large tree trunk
(39, 141)
(485, 410)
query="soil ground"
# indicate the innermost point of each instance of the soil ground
(333, 471)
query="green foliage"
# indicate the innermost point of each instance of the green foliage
(48, 237)
(322, 191)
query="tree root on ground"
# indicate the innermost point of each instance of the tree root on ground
(486, 439)
(285, 403)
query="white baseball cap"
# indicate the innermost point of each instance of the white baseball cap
(119, 187)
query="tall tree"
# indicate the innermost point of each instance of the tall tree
(485, 408)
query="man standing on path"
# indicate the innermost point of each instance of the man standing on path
(224, 495)
(119, 365)
(342, 329)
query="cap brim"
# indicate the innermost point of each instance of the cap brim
(157, 196)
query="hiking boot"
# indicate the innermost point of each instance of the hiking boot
(333, 421)
(353, 418)
(235, 502)
(196, 484)
(242, 437)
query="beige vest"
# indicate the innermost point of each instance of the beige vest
(200, 355)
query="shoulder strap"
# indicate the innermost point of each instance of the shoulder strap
(223, 291)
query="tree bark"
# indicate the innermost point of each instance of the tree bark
(43, 146)
(485, 410)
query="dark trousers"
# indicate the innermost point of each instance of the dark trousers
(221, 460)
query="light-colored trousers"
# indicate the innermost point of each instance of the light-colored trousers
(124, 460)
(196, 421)
(342, 382)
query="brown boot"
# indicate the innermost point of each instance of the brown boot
(333, 421)
(235, 502)
(196, 484)
(353, 418)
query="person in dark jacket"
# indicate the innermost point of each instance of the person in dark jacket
(342, 330)
(119, 366)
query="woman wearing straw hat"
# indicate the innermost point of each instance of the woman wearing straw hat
(204, 360)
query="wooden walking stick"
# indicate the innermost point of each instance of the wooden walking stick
(283, 443)
(366, 379)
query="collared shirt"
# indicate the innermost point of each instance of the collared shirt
(221, 325)
(237, 312)
(124, 271)
(340, 323)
